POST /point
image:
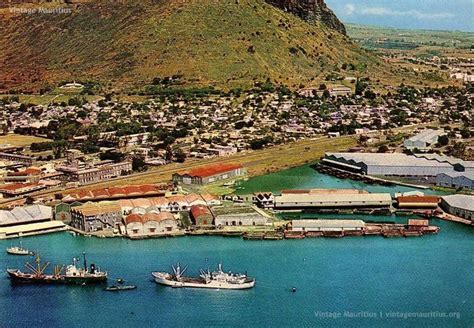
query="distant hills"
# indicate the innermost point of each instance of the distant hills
(125, 44)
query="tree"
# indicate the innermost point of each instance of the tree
(382, 149)
(138, 164)
(443, 140)
(180, 156)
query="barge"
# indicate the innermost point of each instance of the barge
(211, 280)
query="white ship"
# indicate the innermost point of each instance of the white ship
(214, 280)
(18, 250)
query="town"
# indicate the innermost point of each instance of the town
(421, 138)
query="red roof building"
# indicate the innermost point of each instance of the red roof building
(209, 174)
(201, 215)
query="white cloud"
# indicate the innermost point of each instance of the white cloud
(350, 9)
(383, 11)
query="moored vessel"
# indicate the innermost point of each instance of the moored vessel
(73, 275)
(18, 250)
(213, 280)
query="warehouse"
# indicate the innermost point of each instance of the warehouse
(456, 180)
(417, 202)
(25, 215)
(92, 217)
(209, 174)
(150, 224)
(395, 164)
(332, 201)
(240, 216)
(459, 205)
(424, 140)
(327, 225)
(201, 215)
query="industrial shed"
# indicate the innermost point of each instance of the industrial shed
(418, 202)
(150, 224)
(331, 201)
(327, 225)
(459, 205)
(209, 174)
(424, 140)
(26, 214)
(456, 180)
(395, 164)
(240, 216)
(201, 215)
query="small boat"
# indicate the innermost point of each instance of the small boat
(118, 288)
(19, 250)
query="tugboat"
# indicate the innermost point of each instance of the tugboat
(119, 287)
(214, 280)
(18, 250)
(72, 275)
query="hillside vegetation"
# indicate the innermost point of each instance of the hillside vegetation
(206, 42)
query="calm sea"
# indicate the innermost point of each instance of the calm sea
(348, 282)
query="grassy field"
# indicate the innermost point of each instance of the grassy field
(259, 162)
(49, 98)
(20, 140)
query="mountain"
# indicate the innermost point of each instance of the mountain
(126, 44)
(311, 10)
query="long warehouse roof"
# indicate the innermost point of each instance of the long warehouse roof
(333, 198)
(465, 202)
(392, 159)
(328, 224)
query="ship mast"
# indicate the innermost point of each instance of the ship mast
(85, 261)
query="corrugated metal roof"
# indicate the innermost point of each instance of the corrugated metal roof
(328, 224)
(25, 214)
(333, 198)
(393, 159)
(460, 201)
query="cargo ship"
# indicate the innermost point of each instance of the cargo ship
(73, 275)
(213, 280)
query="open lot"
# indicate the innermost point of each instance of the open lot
(20, 140)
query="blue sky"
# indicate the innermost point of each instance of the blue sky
(420, 14)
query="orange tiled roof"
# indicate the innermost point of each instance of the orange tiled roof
(209, 171)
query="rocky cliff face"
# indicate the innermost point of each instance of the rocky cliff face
(311, 10)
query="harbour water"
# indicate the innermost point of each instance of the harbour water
(304, 177)
(348, 282)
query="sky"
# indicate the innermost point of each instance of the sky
(413, 14)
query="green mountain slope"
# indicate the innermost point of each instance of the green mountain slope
(218, 42)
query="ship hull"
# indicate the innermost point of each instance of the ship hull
(18, 277)
(165, 279)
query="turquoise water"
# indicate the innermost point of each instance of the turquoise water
(372, 274)
(348, 282)
(304, 177)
